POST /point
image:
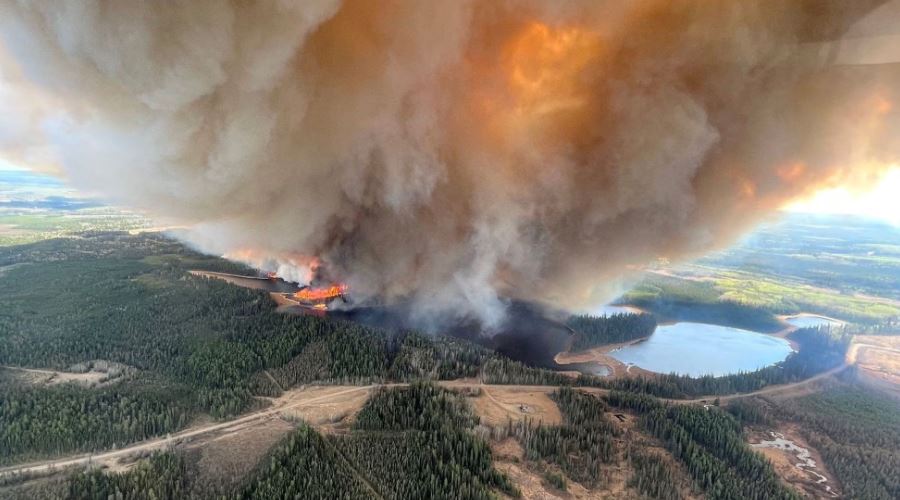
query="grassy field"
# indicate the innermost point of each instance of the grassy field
(839, 266)
(17, 228)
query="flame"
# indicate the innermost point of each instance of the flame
(320, 295)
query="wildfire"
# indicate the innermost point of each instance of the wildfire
(321, 295)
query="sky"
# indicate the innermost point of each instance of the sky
(882, 202)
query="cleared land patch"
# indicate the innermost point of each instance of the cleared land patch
(91, 374)
(496, 405)
(335, 410)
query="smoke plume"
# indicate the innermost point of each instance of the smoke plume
(453, 153)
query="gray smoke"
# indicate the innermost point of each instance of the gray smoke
(453, 152)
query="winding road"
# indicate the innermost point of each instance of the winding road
(289, 400)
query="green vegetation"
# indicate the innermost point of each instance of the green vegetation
(199, 345)
(28, 227)
(555, 480)
(416, 442)
(787, 298)
(822, 261)
(600, 330)
(857, 432)
(393, 452)
(306, 466)
(584, 442)
(52, 420)
(506, 371)
(686, 300)
(436, 358)
(708, 441)
(159, 319)
(653, 476)
(421, 406)
(162, 476)
(830, 265)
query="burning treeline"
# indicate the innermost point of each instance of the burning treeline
(454, 152)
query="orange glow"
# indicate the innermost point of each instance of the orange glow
(321, 295)
(748, 188)
(883, 106)
(792, 172)
(546, 65)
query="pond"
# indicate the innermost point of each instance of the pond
(810, 321)
(611, 310)
(698, 349)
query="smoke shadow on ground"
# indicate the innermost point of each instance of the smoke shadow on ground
(531, 333)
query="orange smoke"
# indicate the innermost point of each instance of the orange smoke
(544, 66)
(452, 153)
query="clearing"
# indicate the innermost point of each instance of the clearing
(90, 374)
(498, 404)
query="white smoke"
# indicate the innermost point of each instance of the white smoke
(448, 152)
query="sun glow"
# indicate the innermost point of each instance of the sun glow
(881, 202)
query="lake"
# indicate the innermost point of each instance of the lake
(810, 321)
(611, 310)
(698, 349)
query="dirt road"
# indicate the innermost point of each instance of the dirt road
(106, 457)
(290, 401)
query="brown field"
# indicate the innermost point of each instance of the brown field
(497, 404)
(532, 484)
(100, 375)
(334, 410)
(785, 463)
(600, 355)
(509, 458)
(528, 476)
(878, 360)
(227, 459)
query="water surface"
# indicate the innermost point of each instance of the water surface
(611, 310)
(810, 321)
(698, 349)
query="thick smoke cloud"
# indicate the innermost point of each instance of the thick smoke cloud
(451, 152)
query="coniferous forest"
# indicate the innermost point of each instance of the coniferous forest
(186, 347)
(591, 331)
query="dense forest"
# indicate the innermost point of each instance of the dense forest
(197, 345)
(306, 466)
(709, 442)
(653, 476)
(62, 418)
(410, 442)
(415, 442)
(592, 331)
(421, 357)
(857, 432)
(162, 476)
(506, 371)
(685, 300)
(580, 446)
